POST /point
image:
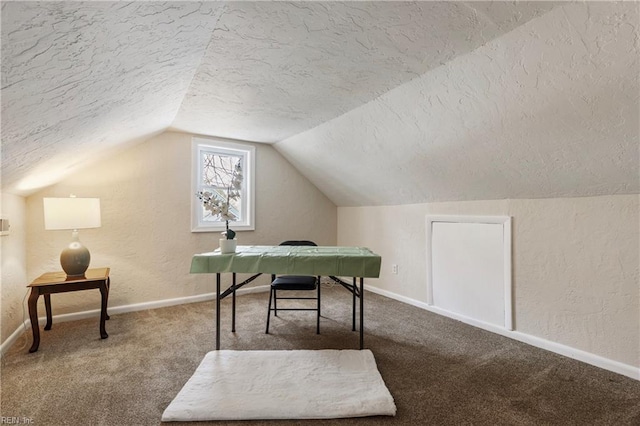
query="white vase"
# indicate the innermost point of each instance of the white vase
(228, 246)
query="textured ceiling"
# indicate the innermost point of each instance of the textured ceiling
(79, 79)
(454, 100)
(82, 78)
(275, 69)
(550, 109)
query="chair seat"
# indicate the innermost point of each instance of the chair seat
(294, 282)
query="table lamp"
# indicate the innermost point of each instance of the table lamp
(72, 213)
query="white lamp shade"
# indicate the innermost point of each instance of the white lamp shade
(71, 213)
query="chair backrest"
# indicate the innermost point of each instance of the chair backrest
(295, 243)
(298, 243)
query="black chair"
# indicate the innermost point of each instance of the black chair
(294, 283)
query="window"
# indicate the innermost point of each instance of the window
(214, 166)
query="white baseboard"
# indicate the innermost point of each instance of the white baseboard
(577, 354)
(121, 310)
(14, 336)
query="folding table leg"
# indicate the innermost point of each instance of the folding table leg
(269, 310)
(361, 313)
(353, 310)
(233, 305)
(318, 307)
(218, 311)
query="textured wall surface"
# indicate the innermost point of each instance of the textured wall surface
(575, 264)
(576, 273)
(146, 237)
(13, 253)
(547, 110)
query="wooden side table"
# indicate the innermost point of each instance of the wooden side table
(57, 282)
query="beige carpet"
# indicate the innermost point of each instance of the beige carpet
(301, 384)
(439, 371)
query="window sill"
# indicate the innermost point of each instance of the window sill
(236, 228)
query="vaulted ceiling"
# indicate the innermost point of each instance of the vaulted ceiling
(82, 79)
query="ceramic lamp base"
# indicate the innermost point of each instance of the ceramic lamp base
(75, 258)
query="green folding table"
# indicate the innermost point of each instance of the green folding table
(329, 261)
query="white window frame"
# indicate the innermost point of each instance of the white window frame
(248, 152)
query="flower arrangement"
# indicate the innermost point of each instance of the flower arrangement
(220, 205)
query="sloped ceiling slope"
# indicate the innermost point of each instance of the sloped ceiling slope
(82, 78)
(550, 109)
(275, 69)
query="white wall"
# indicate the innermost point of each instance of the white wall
(13, 254)
(575, 264)
(145, 237)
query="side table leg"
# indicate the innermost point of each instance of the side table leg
(33, 316)
(104, 292)
(108, 289)
(47, 307)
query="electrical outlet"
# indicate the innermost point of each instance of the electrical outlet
(394, 269)
(4, 227)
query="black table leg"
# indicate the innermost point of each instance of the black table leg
(218, 311)
(233, 305)
(361, 313)
(353, 309)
